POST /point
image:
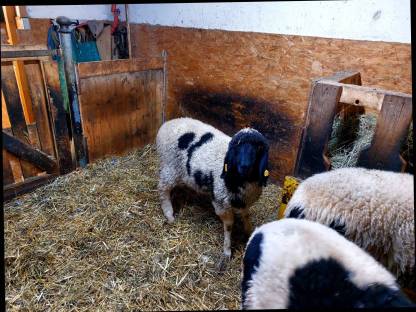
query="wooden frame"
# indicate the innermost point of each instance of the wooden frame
(327, 97)
(35, 140)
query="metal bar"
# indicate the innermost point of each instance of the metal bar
(66, 50)
(165, 68)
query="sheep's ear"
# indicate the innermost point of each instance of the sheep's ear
(263, 167)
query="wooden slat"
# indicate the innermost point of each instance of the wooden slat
(16, 116)
(58, 116)
(21, 11)
(392, 127)
(323, 103)
(39, 106)
(121, 111)
(102, 68)
(29, 153)
(7, 170)
(371, 98)
(347, 77)
(11, 160)
(24, 91)
(9, 15)
(28, 185)
(5, 121)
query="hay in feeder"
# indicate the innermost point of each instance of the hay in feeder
(352, 135)
(96, 239)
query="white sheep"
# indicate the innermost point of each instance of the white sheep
(294, 263)
(231, 170)
(372, 208)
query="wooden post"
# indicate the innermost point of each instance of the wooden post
(392, 126)
(322, 108)
(58, 117)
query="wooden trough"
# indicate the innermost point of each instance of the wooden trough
(328, 97)
(343, 93)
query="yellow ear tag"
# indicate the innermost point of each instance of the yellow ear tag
(225, 167)
(266, 173)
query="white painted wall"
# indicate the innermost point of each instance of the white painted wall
(80, 12)
(376, 20)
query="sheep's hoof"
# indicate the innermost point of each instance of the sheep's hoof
(222, 263)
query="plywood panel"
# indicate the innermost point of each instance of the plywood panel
(273, 69)
(120, 111)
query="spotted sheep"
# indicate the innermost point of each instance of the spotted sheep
(372, 208)
(232, 171)
(297, 264)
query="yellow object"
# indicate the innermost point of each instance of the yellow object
(225, 167)
(266, 173)
(290, 184)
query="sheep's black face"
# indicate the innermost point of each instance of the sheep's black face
(246, 159)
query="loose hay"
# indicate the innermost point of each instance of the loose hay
(96, 239)
(351, 136)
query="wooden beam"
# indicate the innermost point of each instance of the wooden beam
(9, 13)
(58, 117)
(322, 108)
(371, 98)
(102, 68)
(12, 55)
(24, 91)
(347, 77)
(21, 11)
(28, 153)
(11, 191)
(391, 129)
(13, 161)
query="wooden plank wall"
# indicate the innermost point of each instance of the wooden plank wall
(121, 104)
(231, 78)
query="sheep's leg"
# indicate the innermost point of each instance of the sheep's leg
(227, 219)
(245, 216)
(165, 200)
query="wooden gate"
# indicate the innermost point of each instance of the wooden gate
(36, 141)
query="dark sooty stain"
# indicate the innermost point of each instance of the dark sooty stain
(205, 138)
(326, 283)
(219, 109)
(251, 262)
(185, 139)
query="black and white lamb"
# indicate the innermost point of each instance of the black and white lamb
(372, 208)
(232, 171)
(299, 264)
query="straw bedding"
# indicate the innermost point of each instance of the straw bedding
(96, 240)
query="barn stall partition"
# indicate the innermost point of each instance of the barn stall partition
(121, 104)
(36, 142)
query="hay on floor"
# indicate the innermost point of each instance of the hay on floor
(96, 239)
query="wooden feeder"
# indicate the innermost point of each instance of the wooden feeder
(330, 96)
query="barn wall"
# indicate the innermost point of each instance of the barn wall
(232, 79)
(377, 20)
